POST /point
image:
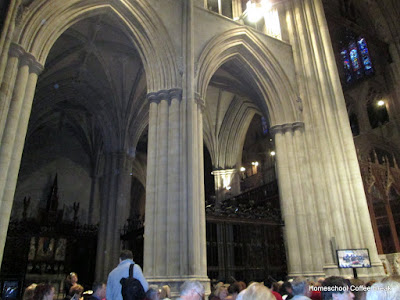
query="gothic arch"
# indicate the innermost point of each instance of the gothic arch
(272, 83)
(42, 22)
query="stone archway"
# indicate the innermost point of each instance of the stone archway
(278, 101)
(274, 87)
(39, 26)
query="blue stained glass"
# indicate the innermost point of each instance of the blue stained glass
(362, 45)
(354, 57)
(346, 65)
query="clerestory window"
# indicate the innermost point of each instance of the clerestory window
(356, 60)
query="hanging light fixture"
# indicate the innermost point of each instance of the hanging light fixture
(255, 9)
(381, 103)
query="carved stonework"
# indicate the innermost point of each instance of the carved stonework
(200, 101)
(168, 95)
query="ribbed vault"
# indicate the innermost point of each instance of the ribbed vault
(93, 71)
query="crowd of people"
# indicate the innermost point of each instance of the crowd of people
(331, 288)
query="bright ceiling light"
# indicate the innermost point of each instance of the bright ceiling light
(272, 153)
(242, 169)
(381, 103)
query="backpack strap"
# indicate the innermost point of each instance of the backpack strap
(131, 270)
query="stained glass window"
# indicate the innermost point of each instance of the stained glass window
(356, 59)
(362, 45)
(346, 65)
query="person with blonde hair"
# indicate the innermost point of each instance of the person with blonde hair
(257, 291)
(165, 292)
(29, 292)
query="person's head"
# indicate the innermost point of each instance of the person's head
(234, 289)
(339, 289)
(43, 291)
(242, 285)
(385, 290)
(153, 293)
(286, 288)
(276, 286)
(99, 289)
(300, 286)
(165, 292)
(268, 282)
(320, 280)
(221, 292)
(257, 291)
(29, 292)
(74, 277)
(125, 254)
(192, 289)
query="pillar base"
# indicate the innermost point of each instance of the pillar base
(176, 282)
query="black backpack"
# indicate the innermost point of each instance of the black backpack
(132, 289)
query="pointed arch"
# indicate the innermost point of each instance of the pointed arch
(258, 61)
(44, 21)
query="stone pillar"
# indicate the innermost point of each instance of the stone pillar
(114, 211)
(174, 240)
(7, 85)
(93, 196)
(328, 149)
(223, 180)
(15, 128)
(295, 206)
(362, 117)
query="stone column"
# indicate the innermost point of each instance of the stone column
(294, 194)
(362, 117)
(114, 211)
(7, 85)
(174, 240)
(13, 139)
(223, 180)
(93, 196)
(328, 142)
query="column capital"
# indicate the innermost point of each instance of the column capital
(223, 172)
(175, 94)
(168, 95)
(16, 50)
(25, 58)
(36, 67)
(286, 127)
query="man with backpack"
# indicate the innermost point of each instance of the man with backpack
(126, 280)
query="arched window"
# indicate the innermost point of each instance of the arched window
(356, 59)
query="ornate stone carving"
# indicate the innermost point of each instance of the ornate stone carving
(299, 104)
(200, 101)
(168, 95)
